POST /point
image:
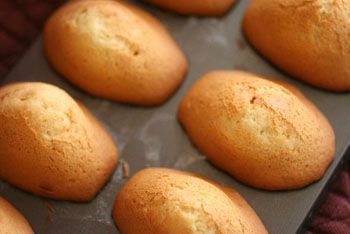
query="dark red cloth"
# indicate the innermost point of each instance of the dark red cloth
(334, 214)
(20, 23)
(22, 20)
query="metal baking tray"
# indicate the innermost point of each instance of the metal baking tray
(153, 137)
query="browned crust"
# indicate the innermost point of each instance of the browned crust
(261, 133)
(11, 221)
(50, 146)
(114, 50)
(310, 40)
(157, 200)
(195, 7)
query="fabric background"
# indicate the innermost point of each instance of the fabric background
(22, 20)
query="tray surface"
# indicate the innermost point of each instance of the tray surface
(153, 137)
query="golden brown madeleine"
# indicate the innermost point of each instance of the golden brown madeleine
(262, 133)
(114, 50)
(195, 7)
(11, 221)
(50, 145)
(159, 200)
(308, 39)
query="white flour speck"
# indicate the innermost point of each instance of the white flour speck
(152, 142)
